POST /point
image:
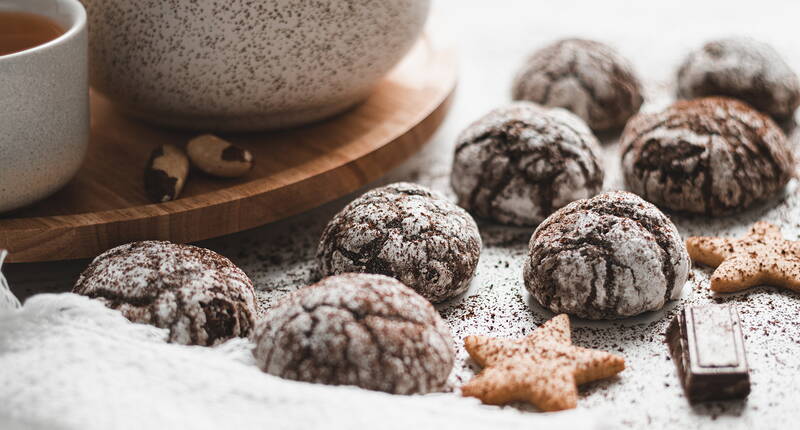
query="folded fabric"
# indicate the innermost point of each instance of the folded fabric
(70, 363)
(7, 299)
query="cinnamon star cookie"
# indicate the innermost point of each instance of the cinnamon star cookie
(543, 368)
(761, 257)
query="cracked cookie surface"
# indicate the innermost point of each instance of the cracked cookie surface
(611, 256)
(199, 295)
(742, 68)
(408, 232)
(357, 329)
(519, 163)
(586, 77)
(713, 156)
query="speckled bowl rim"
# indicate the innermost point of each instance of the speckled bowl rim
(74, 8)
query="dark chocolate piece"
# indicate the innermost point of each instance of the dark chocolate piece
(707, 346)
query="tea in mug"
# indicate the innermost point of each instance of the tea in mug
(21, 30)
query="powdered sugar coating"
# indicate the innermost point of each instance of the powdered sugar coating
(586, 77)
(742, 68)
(199, 295)
(611, 256)
(519, 163)
(408, 232)
(357, 329)
(714, 156)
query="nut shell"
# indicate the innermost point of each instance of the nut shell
(199, 295)
(357, 329)
(408, 232)
(521, 162)
(218, 157)
(741, 68)
(586, 77)
(611, 256)
(714, 156)
(166, 173)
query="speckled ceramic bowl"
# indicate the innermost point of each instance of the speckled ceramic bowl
(44, 107)
(243, 65)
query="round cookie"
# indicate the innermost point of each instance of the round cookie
(521, 162)
(199, 295)
(408, 232)
(586, 77)
(712, 156)
(742, 68)
(357, 329)
(611, 256)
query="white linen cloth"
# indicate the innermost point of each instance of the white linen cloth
(67, 362)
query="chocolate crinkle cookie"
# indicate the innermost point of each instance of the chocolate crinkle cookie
(408, 232)
(742, 68)
(521, 162)
(712, 156)
(586, 77)
(357, 329)
(611, 256)
(199, 295)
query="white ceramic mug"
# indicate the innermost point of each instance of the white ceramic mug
(44, 106)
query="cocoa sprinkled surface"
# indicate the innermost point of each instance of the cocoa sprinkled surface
(647, 394)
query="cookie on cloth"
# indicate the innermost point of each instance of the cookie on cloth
(761, 257)
(201, 297)
(543, 368)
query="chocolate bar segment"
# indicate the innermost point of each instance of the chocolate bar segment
(707, 346)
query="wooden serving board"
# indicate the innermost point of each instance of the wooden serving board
(296, 170)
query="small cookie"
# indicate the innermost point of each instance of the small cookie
(761, 257)
(357, 329)
(586, 77)
(199, 295)
(543, 369)
(408, 232)
(521, 162)
(611, 256)
(713, 156)
(742, 68)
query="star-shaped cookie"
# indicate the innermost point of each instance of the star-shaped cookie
(543, 369)
(761, 257)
